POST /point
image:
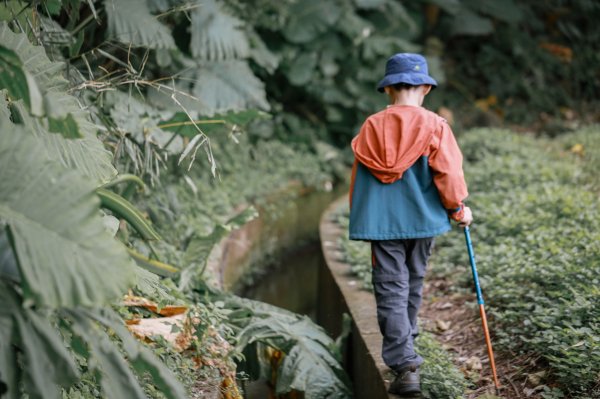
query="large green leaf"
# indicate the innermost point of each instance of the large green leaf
(229, 86)
(86, 154)
(46, 363)
(48, 76)
(130, 22)
(117, 379)
(216, 35)
(111, 369)
(19, 83)
(65, 114)
(308, 365)
(64, 254)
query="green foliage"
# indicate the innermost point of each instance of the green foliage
(308, 365)
(18, 82)
(62, 230)
(536, 240)
(66, 264)
(130, 22)
(217, 35)
(583, 144)
(62, 111)
(440, 377)
(61, 264)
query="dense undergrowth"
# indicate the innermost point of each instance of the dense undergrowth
(536, 237)
(95, 179)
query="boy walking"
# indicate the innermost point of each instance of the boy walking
(407, 182)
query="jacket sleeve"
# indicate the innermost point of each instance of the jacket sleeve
(445, 160)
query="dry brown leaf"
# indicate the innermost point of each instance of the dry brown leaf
(473, 363)
(442, 325)
(168, 310)
(146, 329)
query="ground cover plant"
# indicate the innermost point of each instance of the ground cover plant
(536, 238)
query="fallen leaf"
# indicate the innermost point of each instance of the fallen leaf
(536, 378)
(180, 336)
(577, 149)
(473, 363)
(442, 325)
(168, 310)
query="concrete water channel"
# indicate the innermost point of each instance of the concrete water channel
(282, 258)
(277, 257)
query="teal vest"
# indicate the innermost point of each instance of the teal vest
(408, 208)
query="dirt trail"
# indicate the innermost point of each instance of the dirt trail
(458, 327)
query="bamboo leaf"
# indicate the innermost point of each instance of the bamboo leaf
(126, 210)
(63, 230)
(154, 266)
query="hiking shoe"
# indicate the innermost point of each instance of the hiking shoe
(406, 383)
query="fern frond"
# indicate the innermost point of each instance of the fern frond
(217, 35)
(229, 86)
(130, 22)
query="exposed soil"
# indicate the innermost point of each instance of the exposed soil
(455, 321)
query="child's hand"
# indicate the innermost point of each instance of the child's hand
(467, 218)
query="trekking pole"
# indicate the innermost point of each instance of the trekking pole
(486, 331)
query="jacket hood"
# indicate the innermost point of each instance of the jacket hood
(391, 141)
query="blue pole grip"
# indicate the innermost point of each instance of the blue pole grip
(473, 266)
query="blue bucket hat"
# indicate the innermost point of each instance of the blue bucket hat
(406, 68)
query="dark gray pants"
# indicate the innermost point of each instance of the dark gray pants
(398, 271)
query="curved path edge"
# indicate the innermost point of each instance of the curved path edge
(341, 292)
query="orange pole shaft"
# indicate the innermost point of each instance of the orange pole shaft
(488, 342)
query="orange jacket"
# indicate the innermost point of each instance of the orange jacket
(392, 140)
